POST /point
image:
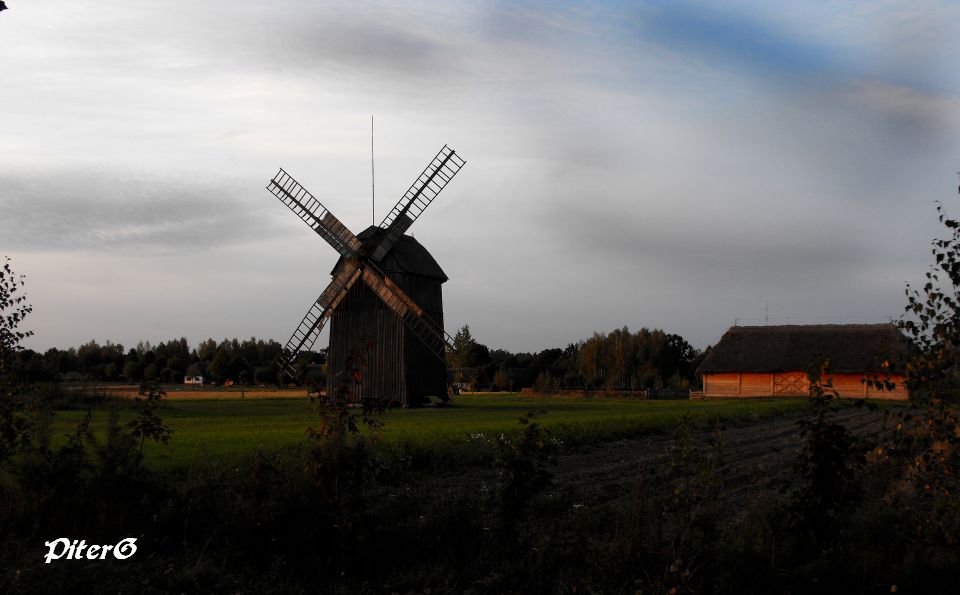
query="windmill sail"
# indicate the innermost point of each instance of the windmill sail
(417, 198)
(313, 213)
(423, 327)
(318, 314)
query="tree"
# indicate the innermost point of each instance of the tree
(828, 464)
(238, 367)
(177, 366)
(61, 361)
(111, 353)
(463, 345)
(932, 321)
(131, 371)
(219, 368)
(89, 355)
(264, 375)
(150, 372)
(500, 379)
(206, 350)
(147, 424)
(16, 421)
(927, 446)
(111, 371)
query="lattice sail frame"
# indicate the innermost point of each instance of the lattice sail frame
(417, 198)
(358, 265)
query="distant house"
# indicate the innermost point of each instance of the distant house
(762, 361)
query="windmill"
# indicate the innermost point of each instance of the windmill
(385, 290)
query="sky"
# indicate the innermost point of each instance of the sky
(675, 165)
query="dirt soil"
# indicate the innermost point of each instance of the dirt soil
(753, 455)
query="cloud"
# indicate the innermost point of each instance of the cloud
(107, 211)
(909, 113)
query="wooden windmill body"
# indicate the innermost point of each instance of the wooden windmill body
(399, 366)
(392, 319)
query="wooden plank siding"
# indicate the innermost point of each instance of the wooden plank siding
(397, 366)
(426, 374)
(721, 385)
(793, 384)
(899, 393)
(362, 326)
(755, 385)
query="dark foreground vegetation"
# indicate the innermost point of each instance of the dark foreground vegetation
(756, 507)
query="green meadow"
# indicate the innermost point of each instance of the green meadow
(206, 431)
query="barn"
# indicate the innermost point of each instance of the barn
(763, 361)
(399, 366)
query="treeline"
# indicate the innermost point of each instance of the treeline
(620, 360)
(248, 361)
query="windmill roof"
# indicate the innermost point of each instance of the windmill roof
(850, 348)
(407, 256)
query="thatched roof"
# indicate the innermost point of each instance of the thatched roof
(851, 348)
(406, 256)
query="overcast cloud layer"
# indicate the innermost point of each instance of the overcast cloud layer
(664, 164)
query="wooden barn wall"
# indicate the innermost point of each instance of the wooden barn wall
(847, 385)
(756, 384)
(791, 384)
(721, 385)
(850, 385)
(753, 384)
(399, 366)
(898, 393)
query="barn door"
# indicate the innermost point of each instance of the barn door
(790, 383)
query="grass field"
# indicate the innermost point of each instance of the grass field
(207, 430)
